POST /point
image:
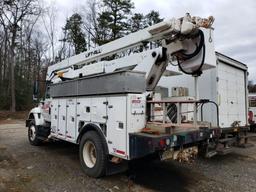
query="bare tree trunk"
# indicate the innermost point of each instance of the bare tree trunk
(13, 100)
(5, 57)
(1, 66)
(12, 15)
(12, 67)
(50, 28)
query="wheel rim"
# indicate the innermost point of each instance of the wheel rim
(89, 154)
(32, 133)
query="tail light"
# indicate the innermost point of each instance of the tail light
(162, 143)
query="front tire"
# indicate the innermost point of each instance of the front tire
(92, 155)
(32, 134)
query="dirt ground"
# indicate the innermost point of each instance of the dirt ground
(7, 115)
(55, 167)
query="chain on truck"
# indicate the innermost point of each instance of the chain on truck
(103, 99)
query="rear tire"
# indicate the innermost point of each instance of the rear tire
(32, 134)
(93, 157)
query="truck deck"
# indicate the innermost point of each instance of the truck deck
(164, 136)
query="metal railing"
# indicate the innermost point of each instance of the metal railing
(164, 106)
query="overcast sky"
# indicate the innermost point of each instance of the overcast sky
(235, 22)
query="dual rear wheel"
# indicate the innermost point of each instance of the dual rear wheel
(93, 157)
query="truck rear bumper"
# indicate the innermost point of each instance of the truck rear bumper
(142, 144)
(234, 129)
(236, 136)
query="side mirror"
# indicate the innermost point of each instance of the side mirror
(35, 90)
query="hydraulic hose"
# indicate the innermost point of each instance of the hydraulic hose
(184, 56)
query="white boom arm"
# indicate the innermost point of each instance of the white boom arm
(169, 29)
(179, 38)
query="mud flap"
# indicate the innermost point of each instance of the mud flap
(113, 168)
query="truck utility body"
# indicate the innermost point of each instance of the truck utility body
(226, 85)
(116, 109)
(103, 99)
(121, 111)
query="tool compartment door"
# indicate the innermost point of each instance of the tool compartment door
(71, 120)
(62, 118)
(83, 109)
(54, 116)
(98, 110)
(116, 126)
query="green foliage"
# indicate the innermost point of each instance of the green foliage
(251, 87)
(23, 93)
(112, 22)
(74, 33)
(152, 18)
(137, 22)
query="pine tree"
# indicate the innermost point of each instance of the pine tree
(113, 21)
(152, 18)
(137, 22)
(74, 33)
